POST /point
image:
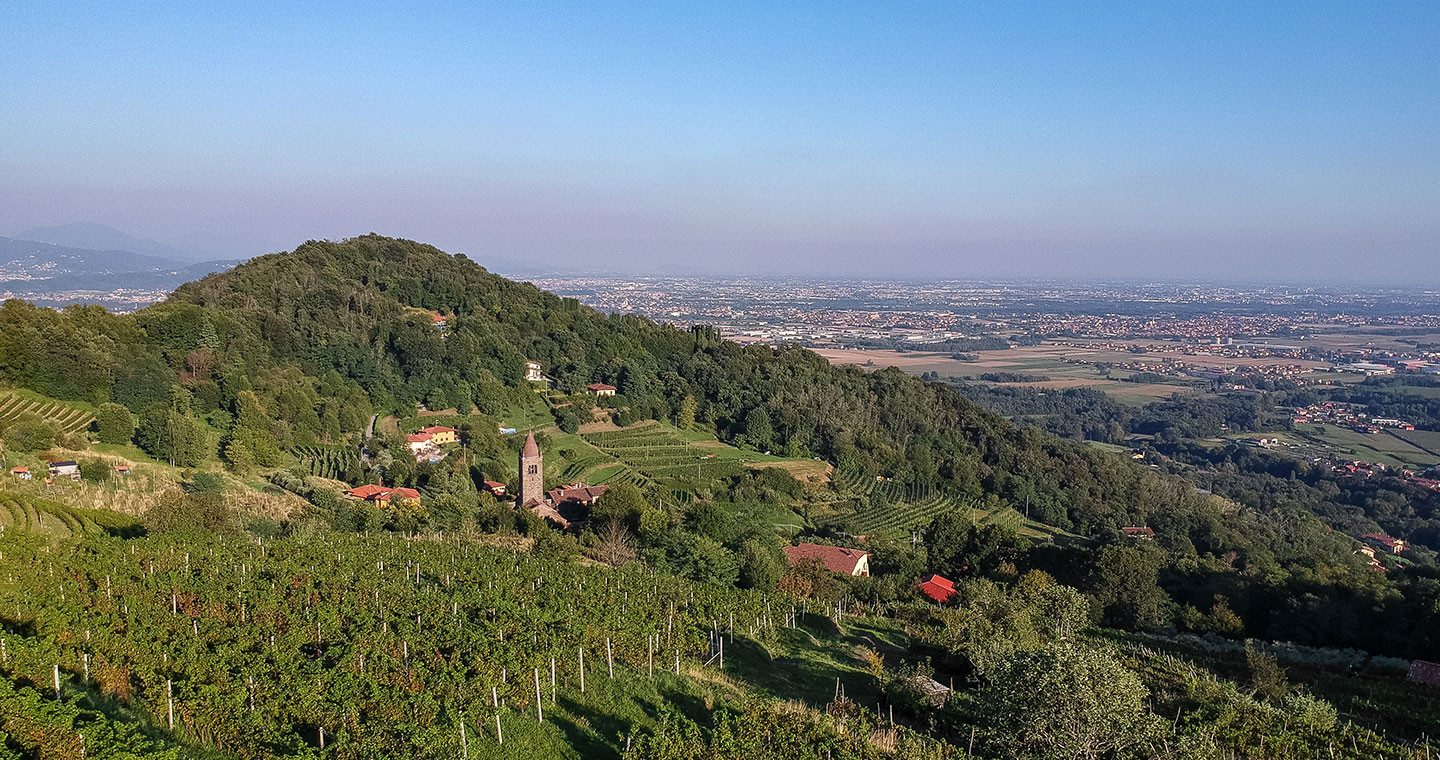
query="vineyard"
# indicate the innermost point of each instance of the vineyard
(328, 461)
(367, 646)
(70, 419)
(657, 453)
(24, 514)
(906, 508)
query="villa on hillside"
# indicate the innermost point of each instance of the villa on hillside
(22, 473)
(836, 559)
(601, 390)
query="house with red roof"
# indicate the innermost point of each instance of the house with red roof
(937, 587)
(439, 434)
(22, 473)
(1382, 541)
(600, 390)
(496, 488)
(836, 559)
(382, 494)
(1139, 533)
(575, 495)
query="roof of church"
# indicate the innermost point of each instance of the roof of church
(531, 448)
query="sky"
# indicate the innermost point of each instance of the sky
(1245, 141)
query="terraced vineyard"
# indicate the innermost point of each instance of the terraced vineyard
(69, 418)
(29, 515)
(907, 507)
(328, 461)
(658, 453)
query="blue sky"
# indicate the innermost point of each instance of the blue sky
(1241, 140)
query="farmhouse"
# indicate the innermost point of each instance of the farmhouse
(1382, 541)
(495, 488)
(439, 434)
(937, 587)
(1139, 533)
(22, 473)
(534, 372)
(600, 390)
(438, 320)
(836, 559)
(382, 494)
(66, 469)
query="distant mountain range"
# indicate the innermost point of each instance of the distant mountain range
(98, 237)
(53, 270)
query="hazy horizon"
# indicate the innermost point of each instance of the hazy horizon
(1227, 143)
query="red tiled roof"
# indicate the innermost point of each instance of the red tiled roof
(433, 429)
(19, 469)
(576, 492)
(937, 587)
(836, 558)
(600, 387)
(372, 492)
(418, 437)
(493, 484)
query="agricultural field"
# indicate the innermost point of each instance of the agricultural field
(1385, 448)
(1427, 441)
(1066, 366)
(911, 508)
(658, 452)
(383, 623)
(330, 462)
(23, 513)
(71, 418)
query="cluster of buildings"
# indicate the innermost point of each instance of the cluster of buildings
(426, 444)
(1351, 416)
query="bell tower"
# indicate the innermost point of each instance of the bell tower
(532, 472)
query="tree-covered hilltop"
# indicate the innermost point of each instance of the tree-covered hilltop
(299, 349)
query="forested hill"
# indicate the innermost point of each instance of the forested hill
(363, 308)
(326, 333)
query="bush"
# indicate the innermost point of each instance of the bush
(114, 423)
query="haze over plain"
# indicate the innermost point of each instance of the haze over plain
(1222, 140)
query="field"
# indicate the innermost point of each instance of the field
(1066, 366)
(24, 513)
(71, 418)
(911, 508)
(329, 462)
(398, 659)
(1384, 447)
(1425, 440)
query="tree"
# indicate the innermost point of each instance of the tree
(1062, 702)
(759, 430)
(685, 418)
(114, 423)
(621, 503)
(1124, 581)
(760, 568)
(615, 548)
(170, 436)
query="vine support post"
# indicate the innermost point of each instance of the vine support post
(539, 712)
(582, 670)
(609, 658)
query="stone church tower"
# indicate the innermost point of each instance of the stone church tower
(532, 473)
